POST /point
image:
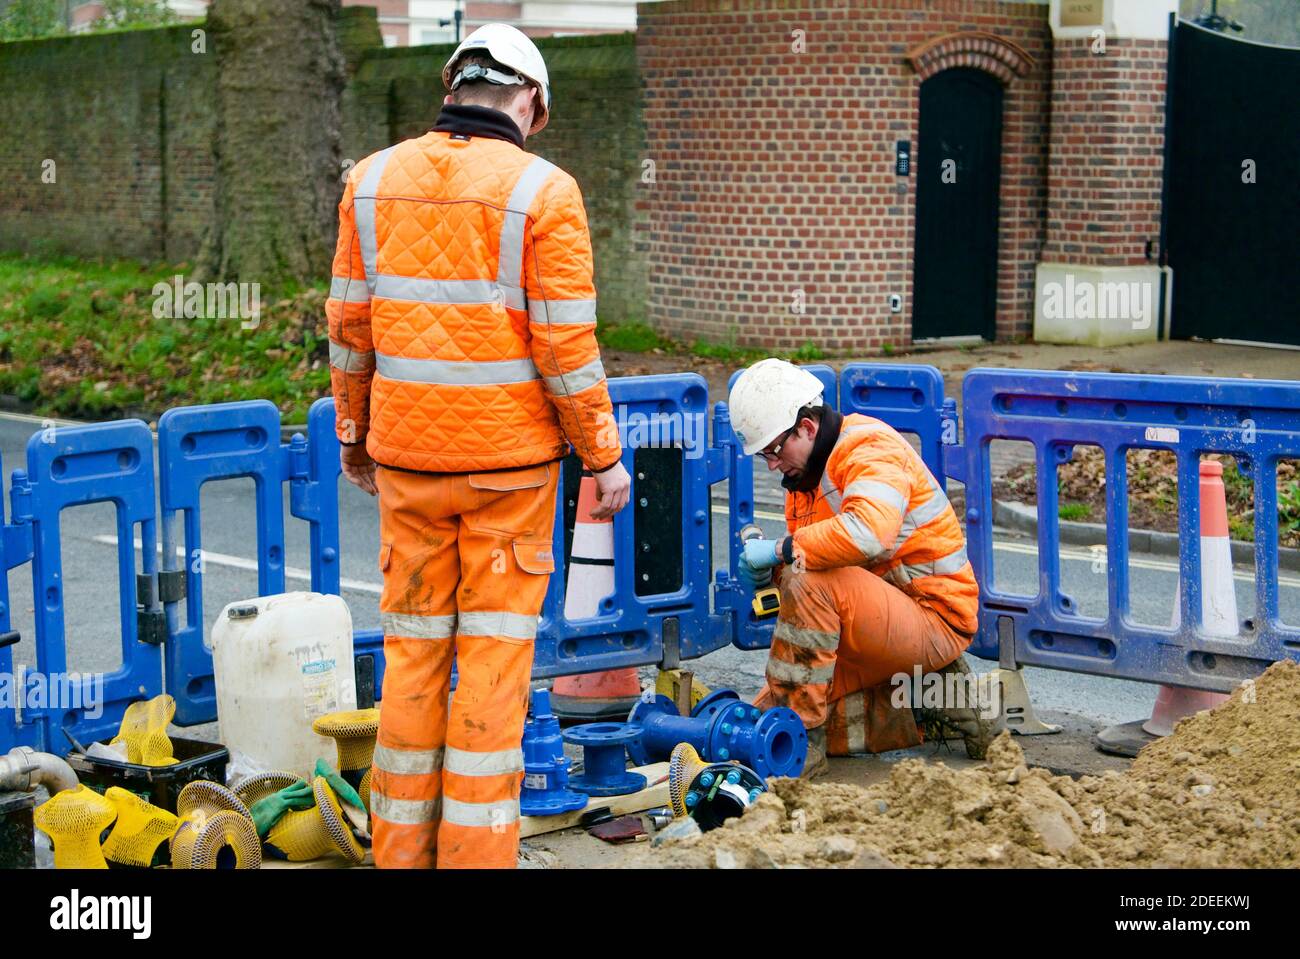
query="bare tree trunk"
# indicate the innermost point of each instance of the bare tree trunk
(280, 77)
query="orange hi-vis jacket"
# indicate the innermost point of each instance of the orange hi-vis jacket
(879, 506)
(462, 315)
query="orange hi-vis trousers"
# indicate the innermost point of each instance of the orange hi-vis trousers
(841, 636)
(466, 559)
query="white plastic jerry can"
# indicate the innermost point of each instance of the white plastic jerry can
(280, 662)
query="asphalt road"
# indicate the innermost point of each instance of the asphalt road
(229, 535)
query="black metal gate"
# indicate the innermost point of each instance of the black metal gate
(955, 276)
(1231, 242)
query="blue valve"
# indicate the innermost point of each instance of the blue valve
(546, 789)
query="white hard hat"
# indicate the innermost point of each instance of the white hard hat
(510, 48)
(766, 399)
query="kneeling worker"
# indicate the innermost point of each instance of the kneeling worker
(873, 575)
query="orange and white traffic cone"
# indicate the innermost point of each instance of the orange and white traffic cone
(612, 693)
(1218, 618)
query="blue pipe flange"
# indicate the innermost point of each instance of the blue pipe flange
(604, 757)
(662, 728)
(546, 768)
(777, 745)
(708, 707)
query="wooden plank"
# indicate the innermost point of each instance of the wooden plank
(655, 794)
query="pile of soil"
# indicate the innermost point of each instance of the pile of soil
(1221, 791)
(1153, 492)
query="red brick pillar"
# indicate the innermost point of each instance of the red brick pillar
(1098, 281)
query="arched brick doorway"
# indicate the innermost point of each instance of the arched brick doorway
(958, 166)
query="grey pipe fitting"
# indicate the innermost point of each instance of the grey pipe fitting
(23, 769)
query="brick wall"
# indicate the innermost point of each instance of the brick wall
(129, 120)
(774, 168)
(1107, 143)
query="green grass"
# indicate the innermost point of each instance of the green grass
(1073, 511)
(632, 338)
(638, 337)
(79, 338)
(1288, 509)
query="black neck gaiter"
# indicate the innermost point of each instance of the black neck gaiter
(468, 119)
(827, 433)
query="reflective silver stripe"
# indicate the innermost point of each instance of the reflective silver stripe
(943, 566)
(416, 626)
(349, 289)
(462, 762)
(878, 492)
(562, 311)
(918, 517)
(831, 493)
(510, 263)
(952, 563)
(500, 813)
(855, 721)
(348, 360)
(862, 536)
(896, 576)
(585, 376)
(805, 638)
(416, 290)
(798, 674)
(509, 625)
(415, 762)
(363, 201)
(406, 812)
(456, 372)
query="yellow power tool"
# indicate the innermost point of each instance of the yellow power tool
(767, 599)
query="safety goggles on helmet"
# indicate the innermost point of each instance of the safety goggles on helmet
(476, 71)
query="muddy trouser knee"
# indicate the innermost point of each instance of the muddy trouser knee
(841, 637)
(466, 560)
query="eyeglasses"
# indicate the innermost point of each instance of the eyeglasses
(775, 451)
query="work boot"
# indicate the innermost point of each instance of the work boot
(816, 763)
(976, 731)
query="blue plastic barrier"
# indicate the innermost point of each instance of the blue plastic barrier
(15, 550)
(198, 444)
(908, 398)
(1257, 422)
(634, 628)
(74, 466)
(643, 623)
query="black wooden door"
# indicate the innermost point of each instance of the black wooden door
(954, 278)
(1232, 242)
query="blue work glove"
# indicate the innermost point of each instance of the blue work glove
(761, 553)
(757, 558)
(751, 577)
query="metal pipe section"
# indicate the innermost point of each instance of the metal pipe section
(23, 769)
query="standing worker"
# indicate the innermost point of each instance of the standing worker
(462, 324)
(874, 577)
